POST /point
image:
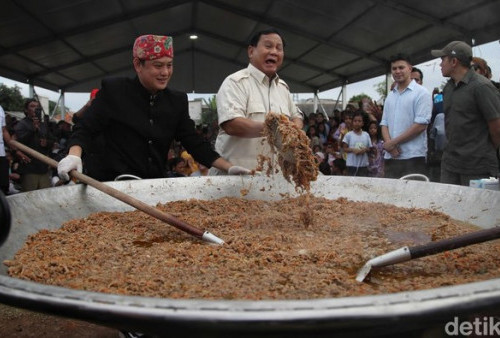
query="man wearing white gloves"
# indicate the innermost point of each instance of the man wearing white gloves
(139, 118)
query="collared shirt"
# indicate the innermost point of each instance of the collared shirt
(468, 106)
(250, 94)
(401, 111)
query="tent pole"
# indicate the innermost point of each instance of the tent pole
(387, 84)
(63, 111)
(31, 89)
(344, 95)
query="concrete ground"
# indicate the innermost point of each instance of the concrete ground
(15, 322)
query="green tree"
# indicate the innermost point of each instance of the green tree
(357, 98)
(52, 105)
(381, 89)
(11, 98)
(209, 115)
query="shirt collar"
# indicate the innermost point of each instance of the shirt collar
(468, 76)
(466, 79)
(411, 86)
(143, 91)
(260, 76)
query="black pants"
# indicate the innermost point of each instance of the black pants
(4, 174)
(450, 177)
(355, 171)
(398, 168)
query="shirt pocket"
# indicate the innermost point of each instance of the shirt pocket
(256, 111)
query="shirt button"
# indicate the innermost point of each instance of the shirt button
(150, 142)
(150, 159)
(151, 121)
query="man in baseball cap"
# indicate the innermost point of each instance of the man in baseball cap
(472, 118)
(138, 118)
(456, 49)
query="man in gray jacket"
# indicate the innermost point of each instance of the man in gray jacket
(472, 118)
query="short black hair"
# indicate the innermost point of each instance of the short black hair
(358, 113)
(400, 57)
(173, 162)
(415, 69)
(28, 101)
(340, 163)
(256, 37)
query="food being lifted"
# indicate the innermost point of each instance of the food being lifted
(292, 146)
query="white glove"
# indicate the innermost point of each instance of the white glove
(237, 170)
(67, 164)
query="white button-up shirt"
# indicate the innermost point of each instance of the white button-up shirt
(250, 94)
(401, 110)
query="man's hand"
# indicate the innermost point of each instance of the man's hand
(237, 170)
(36, 123)
(392, 148)
(70, 162)
(22, 157)
(374, 110)
(390, 145)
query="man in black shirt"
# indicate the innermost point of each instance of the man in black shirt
(139, 118)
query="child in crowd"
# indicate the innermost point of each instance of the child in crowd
(323, 166)
(345, 128)
(338, 167)
(332, 151)
(322, 133)
(376, 154)
(316, 148)
(356, 144)
(313, 136)
(334, 126)
(311, 122)
(176, 167)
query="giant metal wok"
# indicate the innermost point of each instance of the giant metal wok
(368, 315)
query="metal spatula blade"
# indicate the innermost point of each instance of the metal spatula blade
(407, 253)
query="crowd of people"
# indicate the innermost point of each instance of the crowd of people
(22, 173)
(450, 137)
(140, 127)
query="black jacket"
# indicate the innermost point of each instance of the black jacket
(27, 135)
(136, 130)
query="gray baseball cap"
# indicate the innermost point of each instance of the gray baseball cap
(458, 49)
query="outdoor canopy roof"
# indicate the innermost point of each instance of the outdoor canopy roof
(70, 45)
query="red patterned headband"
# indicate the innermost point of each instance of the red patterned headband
(151, 47)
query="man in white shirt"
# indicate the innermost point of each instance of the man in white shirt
(407, 112)
(245, 98)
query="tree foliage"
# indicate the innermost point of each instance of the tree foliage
(11, 98)
(357, 98)
(381, 89)
(209, 115)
